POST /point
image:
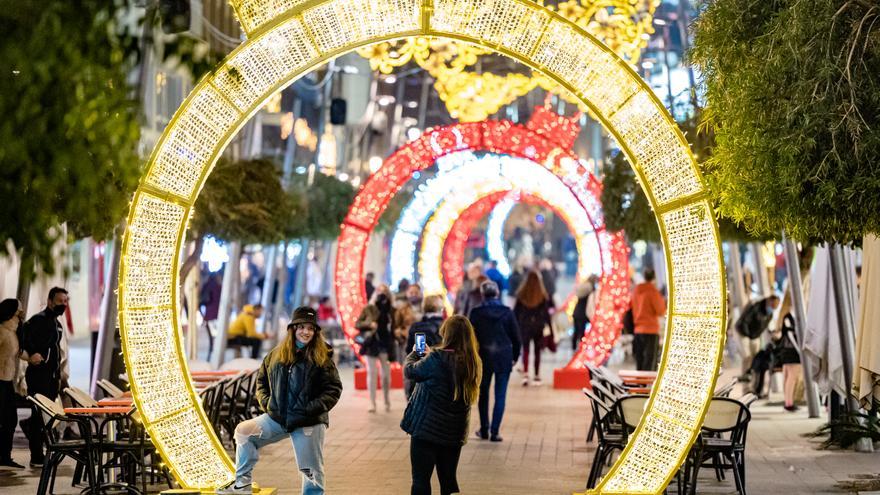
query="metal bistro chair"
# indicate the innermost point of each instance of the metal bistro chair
(82, 450)
(628, 409)
(722, 443)
(109, 389)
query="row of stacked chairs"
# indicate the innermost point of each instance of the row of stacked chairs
(616, 413)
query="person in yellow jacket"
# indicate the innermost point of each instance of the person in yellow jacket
(243, 330)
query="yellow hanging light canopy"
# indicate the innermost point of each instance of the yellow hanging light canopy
(623, 25)
(288, 38)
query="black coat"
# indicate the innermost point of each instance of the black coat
(300, 394)
(755, 319)
(430, 326)
(431, 414)
(498, 334)
(42, 334)
(532, 320)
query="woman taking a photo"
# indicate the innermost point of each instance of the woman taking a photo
(297, 385)
(447, 380)
(532, 310)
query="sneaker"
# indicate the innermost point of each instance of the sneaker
(11, 463)
(496, 438)
(235, 488)
(481, 435)
(525, 382)
(37, 463)
(387, 407)
(791, 408)
(537, 381)
(372, 409)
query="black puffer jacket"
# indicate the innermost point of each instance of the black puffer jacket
(432, 414)
(300, 394)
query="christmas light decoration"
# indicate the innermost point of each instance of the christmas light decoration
(286, 39)
(470, 96)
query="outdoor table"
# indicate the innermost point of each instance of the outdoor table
(116, 402)
(111, 427)
(215, 373)
(634, 377)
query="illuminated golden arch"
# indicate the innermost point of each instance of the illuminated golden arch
(288, 38)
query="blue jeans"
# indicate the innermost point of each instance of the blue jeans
(308, 446)
(501, 380)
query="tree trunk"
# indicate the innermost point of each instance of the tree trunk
(230, 275)
(795, 285)
(302, 265)
(266, 298)
(25, 277)
(846, 327)
(109, 311)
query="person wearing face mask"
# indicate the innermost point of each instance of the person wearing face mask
(378, 346)
(297, 386)
(41, 348)
(11, 318)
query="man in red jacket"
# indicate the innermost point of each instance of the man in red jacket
(647, 307)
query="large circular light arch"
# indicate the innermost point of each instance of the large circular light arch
(286, 39)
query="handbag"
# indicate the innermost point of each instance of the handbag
(549, 341)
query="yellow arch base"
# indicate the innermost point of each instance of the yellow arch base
(286, 39)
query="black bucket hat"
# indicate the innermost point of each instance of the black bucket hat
(305, 314)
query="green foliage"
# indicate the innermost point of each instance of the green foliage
(388, 221)
(326, 203)
(849, 428)
(244, 201)
(624, 203)
(794, 101)
(70, 130)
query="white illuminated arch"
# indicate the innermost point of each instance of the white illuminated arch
(288, 38)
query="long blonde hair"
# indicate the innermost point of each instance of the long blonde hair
(458, 336)
(316, 350)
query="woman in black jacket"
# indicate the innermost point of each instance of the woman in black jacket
(297, 385)
(378, 347)
(447, 381)
(532, 310)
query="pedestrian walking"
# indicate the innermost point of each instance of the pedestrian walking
(788, 356)
(495, 275)
(297, 386)
(209, 303)
(404, 317)
(369, 288)
(751, 325)
(499, 345)
(532, 310)
(648, 306)
(579, 317)
(463, 298)
(41, 348)
(447, 379)
(378, 347)
(432, 319)
(11, 319)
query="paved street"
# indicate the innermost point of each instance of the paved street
(543, 452)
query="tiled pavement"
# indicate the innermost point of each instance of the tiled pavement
(543, 452)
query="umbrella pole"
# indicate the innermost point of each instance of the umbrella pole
(795, 285)
(846, 328)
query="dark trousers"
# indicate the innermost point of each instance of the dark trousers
(8, 418)
(580, 327)
(535, 337)
(645, 351)
(501, 380)
(424, 456)
(39, 381)
(255, 344)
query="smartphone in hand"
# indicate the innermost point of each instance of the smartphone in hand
(420, 343)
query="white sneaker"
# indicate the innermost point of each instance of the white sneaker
(525, 382)
(537, 381)
(236, 489)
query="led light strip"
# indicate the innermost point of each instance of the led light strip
(288, 38)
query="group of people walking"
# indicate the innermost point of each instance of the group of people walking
(39, 342)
